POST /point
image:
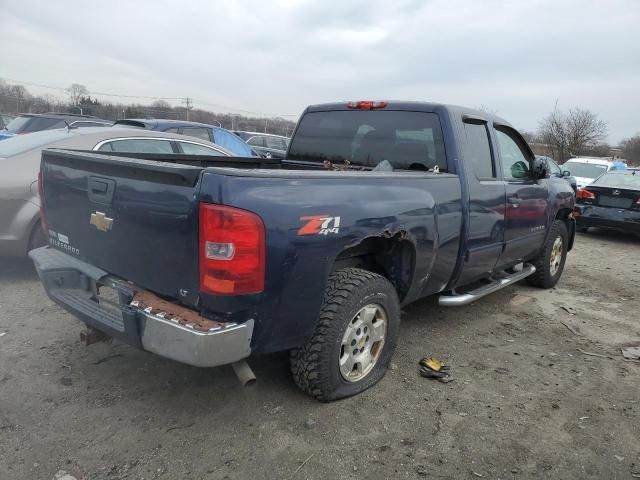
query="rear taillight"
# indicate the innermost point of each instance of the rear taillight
(43, 221)
(584, 194)
(232, 251)
(636, 204)
(366, 105)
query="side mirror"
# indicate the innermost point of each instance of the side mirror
(566, 173)
(539, 168)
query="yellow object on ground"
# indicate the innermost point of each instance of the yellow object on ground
(432, 363)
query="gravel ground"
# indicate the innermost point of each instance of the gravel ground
(526, 402)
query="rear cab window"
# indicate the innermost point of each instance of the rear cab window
(408, 140)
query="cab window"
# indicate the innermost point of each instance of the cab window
(515, 161)
(138, 145)
(195, 149)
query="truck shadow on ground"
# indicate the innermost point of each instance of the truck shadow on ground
(613, 236)
(17, 269)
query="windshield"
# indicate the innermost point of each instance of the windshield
(33, 124)
(231, 142)
(23, 143)
(408, 140)
(628, 180)
(585, 170)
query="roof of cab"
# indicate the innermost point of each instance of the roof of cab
(429, 107)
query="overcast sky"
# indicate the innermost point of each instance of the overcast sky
(513, 57)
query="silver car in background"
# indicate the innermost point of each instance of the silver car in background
(20, 229)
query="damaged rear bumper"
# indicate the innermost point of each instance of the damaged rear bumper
(76, 285)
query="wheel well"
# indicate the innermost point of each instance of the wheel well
(390, 256)
(563, 214)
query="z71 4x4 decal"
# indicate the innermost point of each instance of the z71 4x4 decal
(319, 225)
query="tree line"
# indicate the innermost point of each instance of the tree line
(15, 99)
(560, 134)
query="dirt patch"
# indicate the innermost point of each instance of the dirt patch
(526, 401)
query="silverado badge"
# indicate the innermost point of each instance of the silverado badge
(101, 221)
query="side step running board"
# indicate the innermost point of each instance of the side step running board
(458, 300)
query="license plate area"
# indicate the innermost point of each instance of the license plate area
(616, 202)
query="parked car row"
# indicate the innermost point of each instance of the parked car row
(267, 145)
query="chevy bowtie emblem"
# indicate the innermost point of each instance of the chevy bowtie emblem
(101, 221)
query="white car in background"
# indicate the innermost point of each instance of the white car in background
(587, 169)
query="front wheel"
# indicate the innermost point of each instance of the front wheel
(354, 338)
(550, 263)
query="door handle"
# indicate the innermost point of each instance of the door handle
(514, 200)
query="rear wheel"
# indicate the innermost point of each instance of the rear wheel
(550, 263)
(354, 338)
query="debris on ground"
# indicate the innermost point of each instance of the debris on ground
(568, 309)
(431, 367)
(631, 353)
(591, 354)
(520, 299)
(309, 423)
(569, 328)
(63, 475)
(3, 334)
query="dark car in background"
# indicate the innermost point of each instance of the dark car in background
(35, 122)
(611, 201)
(266, 144)
(554, 170)
(203, 131)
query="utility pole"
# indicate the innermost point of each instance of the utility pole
(188, 105)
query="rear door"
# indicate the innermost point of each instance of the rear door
(135, 219)
(486, 203)
(527, 198)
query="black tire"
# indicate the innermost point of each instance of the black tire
(582, 229)
(315, 365)
(543, 278)
(37, 238)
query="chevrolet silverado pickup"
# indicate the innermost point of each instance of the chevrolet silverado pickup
(209, 261)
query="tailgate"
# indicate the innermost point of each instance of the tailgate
(136, 219)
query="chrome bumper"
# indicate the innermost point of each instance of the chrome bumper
(72, 284)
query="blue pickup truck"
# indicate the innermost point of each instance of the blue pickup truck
(208, 261)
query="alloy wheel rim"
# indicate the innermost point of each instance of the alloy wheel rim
(556, 256)
(362, 342)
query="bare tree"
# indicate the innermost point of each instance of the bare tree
(631, 149)
(75, 91)
(161, 105)
(571, 133)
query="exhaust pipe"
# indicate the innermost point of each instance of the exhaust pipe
(244, 373)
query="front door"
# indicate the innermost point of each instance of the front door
(527, 199)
